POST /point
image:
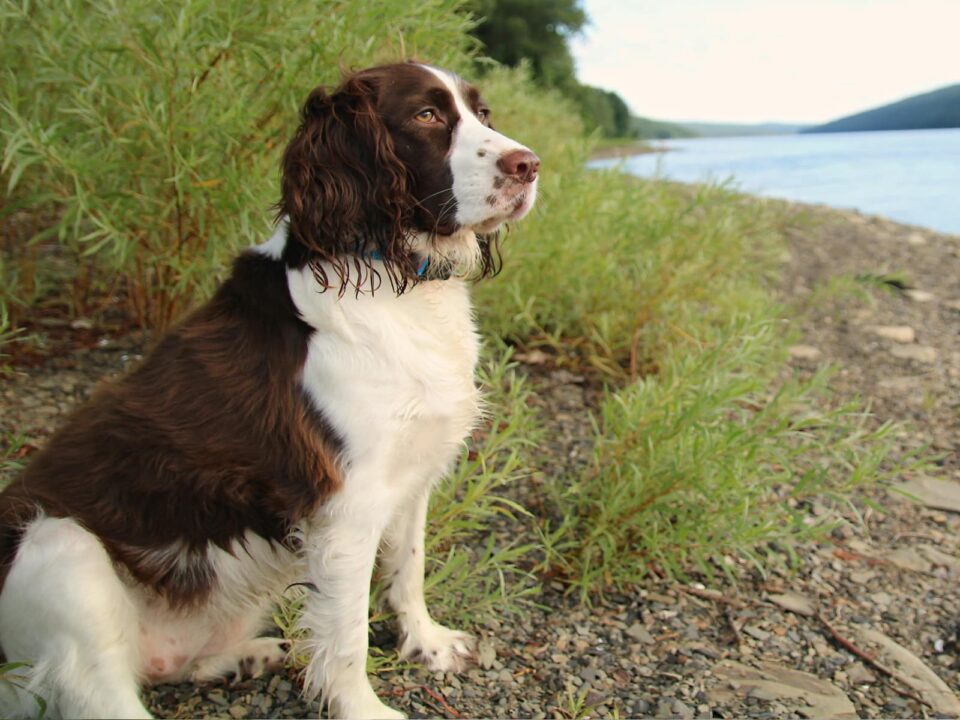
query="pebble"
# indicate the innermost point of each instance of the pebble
(920, 296)
(897, 333)
(917, 353)
(640, 633)
(805, 352)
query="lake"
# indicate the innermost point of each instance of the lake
(912, 176)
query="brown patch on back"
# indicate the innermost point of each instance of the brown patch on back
(209, 438)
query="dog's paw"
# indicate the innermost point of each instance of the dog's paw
(249, 659)
(439, 648)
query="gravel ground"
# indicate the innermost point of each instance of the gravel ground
(868, 627)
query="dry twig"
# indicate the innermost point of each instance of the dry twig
(847, 644)
(442, 700)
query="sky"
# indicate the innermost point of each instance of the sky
(752, 61)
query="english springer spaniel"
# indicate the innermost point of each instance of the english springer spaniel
(283, 432)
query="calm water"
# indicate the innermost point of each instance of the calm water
(912, 176)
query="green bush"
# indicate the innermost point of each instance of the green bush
(153, 130)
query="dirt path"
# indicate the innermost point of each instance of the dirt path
(869, 626)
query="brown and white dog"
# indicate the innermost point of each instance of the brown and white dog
(284, 432)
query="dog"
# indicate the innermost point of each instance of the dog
(284, 432)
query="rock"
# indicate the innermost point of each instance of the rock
(920, 296)
(908, 558)
(938, 557)
(486, 654)
(860, 675)
(217, 696)
(917, 353)
(934, 493)
(912, 671)
(532, 357)
(794, 602)
(756, 633)
(897, 333)
(903, 384)
(776, 682)
(639, 633)
(805, 352)
(916, 238)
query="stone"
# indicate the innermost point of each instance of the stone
(805, 352)
(940, 558)
(897, 333)
(639, 633)
(912, 671)
(773, 681)
(917, 353)
(794, 602)
(934, 493)
(860, 675)
(920, 296)
(916, 238)
(486, 654)
(907, 558)
(900, 385)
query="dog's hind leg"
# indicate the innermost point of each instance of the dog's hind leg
(247, 659)
(66, 613)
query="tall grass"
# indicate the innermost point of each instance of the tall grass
(705, 445)
(153, 130)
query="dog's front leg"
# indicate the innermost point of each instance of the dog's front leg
(341, 548)
(436, 646)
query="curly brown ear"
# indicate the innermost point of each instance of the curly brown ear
(345, 192)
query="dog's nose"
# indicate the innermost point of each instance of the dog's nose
(521, 165)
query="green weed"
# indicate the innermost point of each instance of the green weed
(151, 132)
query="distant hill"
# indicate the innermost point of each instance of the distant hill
(707, 129)
(937, 109)
(647, 129)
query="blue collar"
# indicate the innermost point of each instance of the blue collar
(421, 268)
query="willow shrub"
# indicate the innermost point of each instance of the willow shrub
(705, 446)
(152, 131)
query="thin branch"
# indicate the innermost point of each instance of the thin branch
(870, 659)
(440, 699)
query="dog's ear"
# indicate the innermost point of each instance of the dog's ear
(345, 192)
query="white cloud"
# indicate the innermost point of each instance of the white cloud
(762, 60)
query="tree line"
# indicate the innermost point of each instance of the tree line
(537, 32)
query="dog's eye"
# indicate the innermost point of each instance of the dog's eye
(484, 114)
(426, 116)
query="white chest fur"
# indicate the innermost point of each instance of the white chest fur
(393, 375)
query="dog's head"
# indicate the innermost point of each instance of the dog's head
(400, 166)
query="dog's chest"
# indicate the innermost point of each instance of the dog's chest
(394, 376)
